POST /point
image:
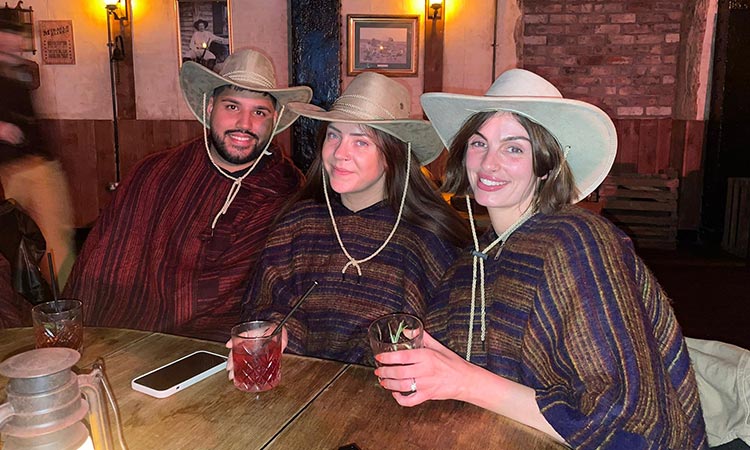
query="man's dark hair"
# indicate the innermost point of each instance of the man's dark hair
(233, 87)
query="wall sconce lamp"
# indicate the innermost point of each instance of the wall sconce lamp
(436, 7)
(118, 6)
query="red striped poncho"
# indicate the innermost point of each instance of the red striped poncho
(152, 262)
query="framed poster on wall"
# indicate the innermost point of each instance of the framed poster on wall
(204, 32)
(385, 44)
(56, 38)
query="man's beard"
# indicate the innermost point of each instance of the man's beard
(218, 144)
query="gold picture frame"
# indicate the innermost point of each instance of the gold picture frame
(384, 44)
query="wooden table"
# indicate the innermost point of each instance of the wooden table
(319, 404)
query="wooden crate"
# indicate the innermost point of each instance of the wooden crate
(644, 207)
(737, 217)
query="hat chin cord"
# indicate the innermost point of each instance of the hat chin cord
(478, 259)
(237, 181)
(356, 263)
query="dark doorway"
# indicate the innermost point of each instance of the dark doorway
(314, 58)
(727, 153)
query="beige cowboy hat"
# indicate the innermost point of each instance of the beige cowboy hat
(375, 100)
(246, 69)
(585, 133)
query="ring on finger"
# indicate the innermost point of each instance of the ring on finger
(413, 386)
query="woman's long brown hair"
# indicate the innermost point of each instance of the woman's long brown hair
(423, 206)
(556, 187)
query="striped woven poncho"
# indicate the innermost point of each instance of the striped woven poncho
(152, 261)
(573, 313)
(333, 321)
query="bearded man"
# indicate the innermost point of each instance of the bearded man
(174, 249)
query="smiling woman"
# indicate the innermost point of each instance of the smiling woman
(561, 325)
(499, 164)
(354, 163)
(367, 225)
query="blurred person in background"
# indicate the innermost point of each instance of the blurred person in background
(29, 173)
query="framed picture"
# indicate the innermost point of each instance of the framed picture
(203, 30)
(385, 44)
(56, 38)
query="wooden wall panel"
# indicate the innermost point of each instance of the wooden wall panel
(104, 144)
(627, 145)
(76, 143)
(648, 138)
(695, 136)
(663, 144)
(650, 146)
(140, 138)
(433, 54)
(677, 147)
(86, 151)
(644, 145)
(691, 188)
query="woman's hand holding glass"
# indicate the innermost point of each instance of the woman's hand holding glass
(230, 363)
(432, 372)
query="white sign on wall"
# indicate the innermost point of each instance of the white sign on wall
(57, 41)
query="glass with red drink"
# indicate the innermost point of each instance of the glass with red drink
(256, 356)
(58, 323)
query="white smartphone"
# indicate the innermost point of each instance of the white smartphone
(179, 374)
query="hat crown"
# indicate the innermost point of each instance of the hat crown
(522, 83)
(372, 96)
(250, 69)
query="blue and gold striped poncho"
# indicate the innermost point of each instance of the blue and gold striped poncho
(333, 321)
(573, 313)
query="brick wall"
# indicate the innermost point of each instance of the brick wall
(622, 55)
(619, 55)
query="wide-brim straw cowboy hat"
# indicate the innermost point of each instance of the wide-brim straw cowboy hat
(246, 69)
(584, 132)
(375, 100)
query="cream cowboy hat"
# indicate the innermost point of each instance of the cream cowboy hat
(584, 132)
(246, 69)
(375, 100)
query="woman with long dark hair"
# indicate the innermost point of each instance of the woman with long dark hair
(551, 319)
(367, 225)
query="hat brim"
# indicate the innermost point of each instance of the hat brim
(196, 80)
(425, 142)
(585, 130)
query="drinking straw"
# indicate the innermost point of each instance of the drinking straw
(294, 308)
(52, 277)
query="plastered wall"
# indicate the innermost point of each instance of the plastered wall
(82, 91)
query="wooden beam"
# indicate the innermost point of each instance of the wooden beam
(433, 49)
(122, 36)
